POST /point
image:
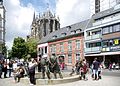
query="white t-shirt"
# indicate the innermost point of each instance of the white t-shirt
(14, 66)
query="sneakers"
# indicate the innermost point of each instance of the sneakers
(32, 84)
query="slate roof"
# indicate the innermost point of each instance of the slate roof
(67, 30)
(103, 14)
(80, 25)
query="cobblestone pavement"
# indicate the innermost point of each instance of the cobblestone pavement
(105, 81)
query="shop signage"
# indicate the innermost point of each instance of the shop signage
(116, 41)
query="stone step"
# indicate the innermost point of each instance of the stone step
(39, 81)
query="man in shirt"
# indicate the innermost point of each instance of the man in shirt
(95, 68)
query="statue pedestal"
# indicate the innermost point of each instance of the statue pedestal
(66, 79)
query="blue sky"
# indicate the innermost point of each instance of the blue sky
(19, 14)
(40, 5)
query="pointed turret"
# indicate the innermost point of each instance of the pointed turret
(39, 15)
(33, 18)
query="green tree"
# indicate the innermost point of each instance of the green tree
(32, 47)
(9, 54)
(4, 50)
(19, 49)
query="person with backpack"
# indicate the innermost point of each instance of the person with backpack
(19, 73)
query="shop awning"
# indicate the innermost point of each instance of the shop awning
(104, 54)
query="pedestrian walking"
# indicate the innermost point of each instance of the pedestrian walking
(5, 69)
(95, 69)
(110, 66)
(10, 65)
(1, 67)
(32, 65)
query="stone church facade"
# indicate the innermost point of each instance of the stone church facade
(43, 25)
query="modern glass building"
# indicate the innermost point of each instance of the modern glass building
(102, 36)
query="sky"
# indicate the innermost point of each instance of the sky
(19, 14)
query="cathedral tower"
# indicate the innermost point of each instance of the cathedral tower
(44, 24)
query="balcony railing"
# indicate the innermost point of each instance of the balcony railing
(92, 37)
(88, 38)
(106, 20)
(96, 36)
(93, 50)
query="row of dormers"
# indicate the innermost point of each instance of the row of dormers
(65, 34)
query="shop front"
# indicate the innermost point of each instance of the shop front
(106, 58)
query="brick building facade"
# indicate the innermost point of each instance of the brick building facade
(66, 43)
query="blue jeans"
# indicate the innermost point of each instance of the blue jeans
(10, 70)
(95, 73)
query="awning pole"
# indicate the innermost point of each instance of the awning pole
(104, 60)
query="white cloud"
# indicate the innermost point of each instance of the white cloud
(18, 20)
(72, 11)
(19, 17)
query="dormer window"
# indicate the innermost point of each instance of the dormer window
(63, 34)
(68, 27)
(73, 32)
(78, 30)
(54, 37)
